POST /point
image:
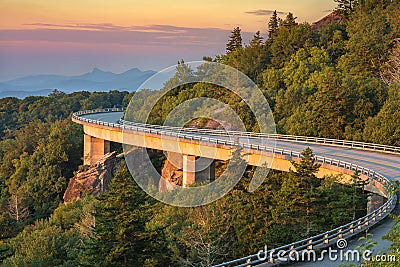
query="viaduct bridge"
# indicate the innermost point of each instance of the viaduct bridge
(379, 164)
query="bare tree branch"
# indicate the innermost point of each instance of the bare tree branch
(391, 69)
(17, 209)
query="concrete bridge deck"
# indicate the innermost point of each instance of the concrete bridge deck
(384, 163)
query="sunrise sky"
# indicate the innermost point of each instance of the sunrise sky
(72, 37)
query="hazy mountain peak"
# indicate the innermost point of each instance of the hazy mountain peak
(133, 70)
(95, 80)
(97, 70)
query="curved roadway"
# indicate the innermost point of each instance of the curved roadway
(384, 163)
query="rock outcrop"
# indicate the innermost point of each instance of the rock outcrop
(333, 17)
(95, 179)
(171, 173)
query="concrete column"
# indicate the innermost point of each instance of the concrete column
(189, 170)
(205, 170)
(197, 170)
(94, 149)
(211, 171)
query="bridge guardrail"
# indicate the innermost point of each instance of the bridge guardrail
(189, 136)
(318, 241)
(322, 239)
(293, 138)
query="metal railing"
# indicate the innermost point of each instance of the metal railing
(321, 240)
(281, 137)
(315, 242)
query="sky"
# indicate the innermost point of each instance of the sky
(71, 37)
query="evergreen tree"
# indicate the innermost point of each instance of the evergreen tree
(251, 60)
(289, 21)
(273, 25)
(235, 40)
(307, 167)
(345, 7)
(307, 196)
(359, 201)
(296, 203)
(288, 41)
(257, 40)
(120, 235)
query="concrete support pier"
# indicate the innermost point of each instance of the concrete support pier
(197, 169)
(205, 170)
(189, 170)
(94, 149)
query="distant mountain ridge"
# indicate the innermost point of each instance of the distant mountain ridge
(96, 80)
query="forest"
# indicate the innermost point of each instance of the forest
(340, 80)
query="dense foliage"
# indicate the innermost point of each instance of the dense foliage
(126, 227)
(339, 81)
(40, 148)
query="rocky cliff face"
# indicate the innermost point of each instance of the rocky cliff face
(94, 180)
(171, 173)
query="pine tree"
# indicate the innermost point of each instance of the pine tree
(307, 167)
(358, 197)
(345, 7)
(120, 236)
(308, 182)
(257, 40)
(273, 25)
(184, 73)
(290, 21)
(296, 204)
(235, 40)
